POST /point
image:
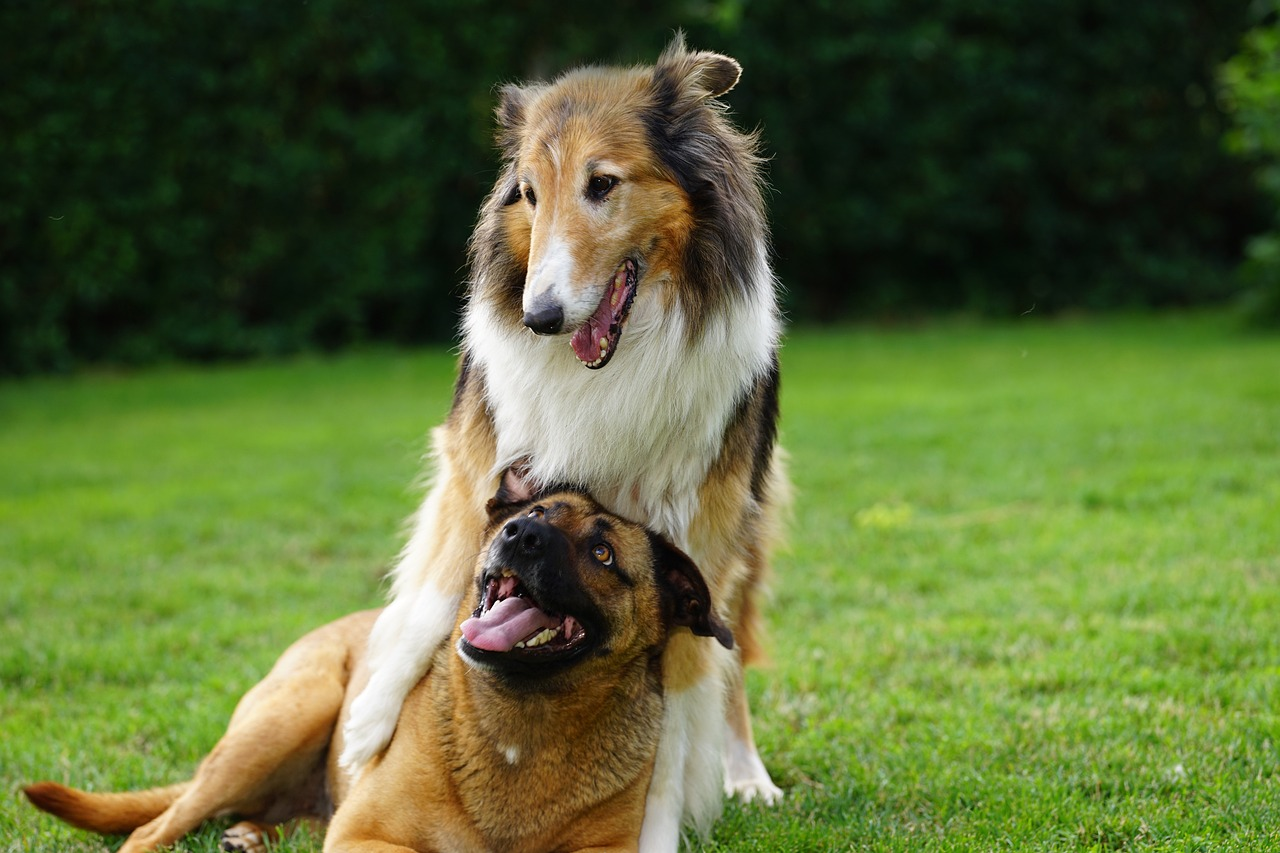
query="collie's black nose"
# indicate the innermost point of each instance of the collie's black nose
(548, 320)
(525, 536)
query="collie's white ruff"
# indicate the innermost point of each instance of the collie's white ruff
(660, 407)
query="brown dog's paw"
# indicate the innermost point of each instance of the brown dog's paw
(246, 837)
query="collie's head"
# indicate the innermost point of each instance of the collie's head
(624, 193)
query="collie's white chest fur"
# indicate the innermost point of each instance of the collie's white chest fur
(641, 433)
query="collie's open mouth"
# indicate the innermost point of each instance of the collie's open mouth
(508, 620)
(596, 340)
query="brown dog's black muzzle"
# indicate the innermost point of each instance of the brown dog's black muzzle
(525, 538)
(541, 555)
(532, 558)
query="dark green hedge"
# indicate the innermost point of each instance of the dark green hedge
(1250, 89)
(971, 154)
(206, 179)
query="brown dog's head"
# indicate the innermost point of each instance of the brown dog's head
(563, 583)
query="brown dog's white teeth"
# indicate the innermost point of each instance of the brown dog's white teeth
(538, 639)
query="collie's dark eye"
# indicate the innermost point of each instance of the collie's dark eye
(537, 512)
(603, 554)
(600, 185)
(530, 197)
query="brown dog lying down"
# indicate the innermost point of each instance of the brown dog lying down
(535, 730)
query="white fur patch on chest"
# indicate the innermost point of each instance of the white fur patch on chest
(641, 433)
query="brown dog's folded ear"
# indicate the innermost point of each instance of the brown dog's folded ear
(514, 488)
(517, 486)
(688, 601)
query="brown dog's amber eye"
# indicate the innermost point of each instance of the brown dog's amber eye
(537, 512)
(603, 554)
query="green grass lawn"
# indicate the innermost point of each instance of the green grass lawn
(1031, 599)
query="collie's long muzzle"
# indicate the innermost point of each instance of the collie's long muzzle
(596, 340)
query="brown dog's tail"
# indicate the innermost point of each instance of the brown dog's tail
(109, 814)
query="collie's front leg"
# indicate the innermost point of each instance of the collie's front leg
(429, 583)
(745, 775)
(401, 646)
(686, 788)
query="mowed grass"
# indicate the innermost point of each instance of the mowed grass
(1030, 601)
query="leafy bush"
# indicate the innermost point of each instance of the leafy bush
(205, 179)
(994, 156)
(1251, 91)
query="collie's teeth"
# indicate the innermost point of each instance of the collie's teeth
(507, 573)
(604, 345)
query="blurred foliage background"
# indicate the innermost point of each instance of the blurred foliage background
(209, 178)
(1250, 91)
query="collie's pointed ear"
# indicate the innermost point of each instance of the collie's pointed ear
(687, 600)
(683, 78)
(512, 112)
(511, 106)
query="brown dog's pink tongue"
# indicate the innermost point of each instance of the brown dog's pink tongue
(505, 624)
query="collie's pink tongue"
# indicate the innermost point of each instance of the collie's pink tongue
(505, 624)
(595, 339)
(591, 342)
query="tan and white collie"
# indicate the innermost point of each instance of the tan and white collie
(621, 336)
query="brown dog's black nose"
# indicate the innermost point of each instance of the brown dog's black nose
(545, 321)
(525, 536)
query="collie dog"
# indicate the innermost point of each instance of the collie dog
(620, 335)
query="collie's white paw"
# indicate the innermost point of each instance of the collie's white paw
(369, 728)
(750, 790)
(745, 776)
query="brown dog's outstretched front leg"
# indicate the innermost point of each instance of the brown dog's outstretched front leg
(271, 746)
(276, 740)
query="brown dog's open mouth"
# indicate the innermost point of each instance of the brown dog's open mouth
(508, 620)
(596, 340)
